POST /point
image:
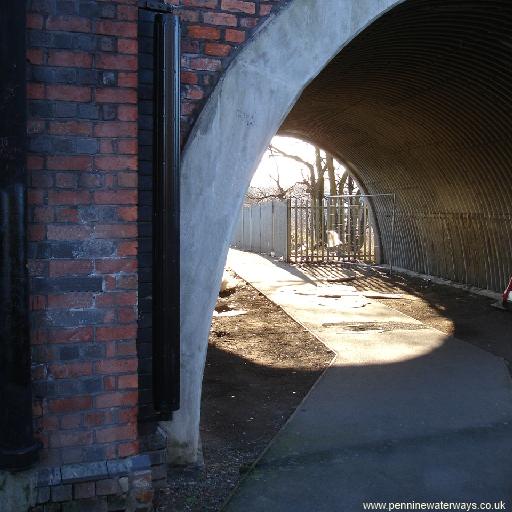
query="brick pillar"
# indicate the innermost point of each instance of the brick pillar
(83, 193)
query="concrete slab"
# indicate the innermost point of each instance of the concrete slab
(404, 412)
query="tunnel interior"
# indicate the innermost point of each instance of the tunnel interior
(419, 104)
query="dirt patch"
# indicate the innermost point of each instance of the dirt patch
(260, 365)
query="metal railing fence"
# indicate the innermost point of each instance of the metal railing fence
(339, 229)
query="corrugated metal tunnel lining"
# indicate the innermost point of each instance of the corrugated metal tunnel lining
(420, 104)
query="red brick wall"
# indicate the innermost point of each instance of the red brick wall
(82, 198)
(82, 107)
(213, 31)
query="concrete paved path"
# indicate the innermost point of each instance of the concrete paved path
(405, 413)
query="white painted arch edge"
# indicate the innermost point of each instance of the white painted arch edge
(244, 112)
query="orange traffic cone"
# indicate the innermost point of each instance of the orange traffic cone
(506, 299)
(507, 295)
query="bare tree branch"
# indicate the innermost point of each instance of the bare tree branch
(280, 152)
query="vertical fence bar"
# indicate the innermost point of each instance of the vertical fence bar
(341, 226)
(260, 248)
(288, 229)
(333, 214)
(373, 245)
(392, 250)
(306, 212)
(329, 224)
(323, 228)
(302, 235)
(295, 252)
(273, 240)
(365, 217)
(349, 229)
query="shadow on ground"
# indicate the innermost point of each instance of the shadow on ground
(468, 317)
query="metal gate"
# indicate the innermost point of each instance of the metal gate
(341, 228)
(338, 229)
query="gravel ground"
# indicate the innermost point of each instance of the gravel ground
(260, 365)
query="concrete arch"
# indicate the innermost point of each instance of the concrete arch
(245, 110)
(249, 105)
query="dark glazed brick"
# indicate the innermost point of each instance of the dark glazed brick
(95, 249)
(93, 385)
(40, 144)
(43, 6)
(43, 494)
(66, 7)
(109, 78)
(52, 507)
(39, 38)
(68, 353)
(62, 493)
(68, 387)
(94, 453)
(89, 9)
(108, 11)
(65, 109)
(41, 108)
(85, 42)
(67, 284)
(63, 146)
(108, 112)
(84, 472)
(107, 487)
(88, 77)
(93, 351)
(63, 41)
(88, 111)
(63, 249)
(48, 477)
(116, 503)
(87, 146)
(90, 505)
(84, 490)
(97, 213)
(65, 318)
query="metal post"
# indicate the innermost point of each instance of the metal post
(272, 243)
(166, 216)
(321, 207)
(365, 218)
(299, 231)
(392, 251)
(342, 232)
(296, 230)
(307, 230)
(18, 449)
(288, 230)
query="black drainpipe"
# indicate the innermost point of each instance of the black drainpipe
(166, 211)
(18, 449)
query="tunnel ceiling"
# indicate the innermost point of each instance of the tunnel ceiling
(420, 104)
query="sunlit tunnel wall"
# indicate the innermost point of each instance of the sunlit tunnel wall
(420, 104)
